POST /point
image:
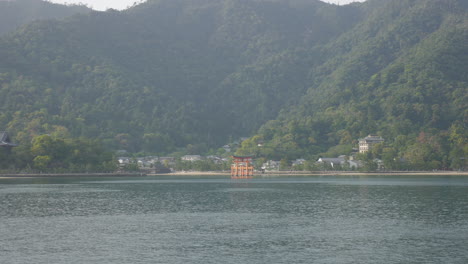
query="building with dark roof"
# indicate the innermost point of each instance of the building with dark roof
(365, 144)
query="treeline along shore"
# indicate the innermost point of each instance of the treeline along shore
(224, 173)
(318, 173)
(36, 175)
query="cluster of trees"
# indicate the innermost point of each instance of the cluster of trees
(202, 165)
(425, 152)
(179, 165)
(46, 153)
(428, 150)
(304, 78)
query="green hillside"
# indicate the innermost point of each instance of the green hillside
(164, 69)
(403, 77)
(305, 77)
(16, 13)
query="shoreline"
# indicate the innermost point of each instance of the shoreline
(319, 173)
(227, 173)
(68, 175)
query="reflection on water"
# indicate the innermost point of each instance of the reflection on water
(218, 220)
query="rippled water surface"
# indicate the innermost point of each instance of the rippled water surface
(219, 220)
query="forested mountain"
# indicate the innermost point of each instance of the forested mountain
(15, 13)
(302, 76)
(400, 73)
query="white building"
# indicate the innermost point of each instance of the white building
(271, 165)
(191, 158)
(332, 161)
(298, 162)
(365, 144)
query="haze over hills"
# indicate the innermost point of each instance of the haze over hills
(302, 76)
(15, 13)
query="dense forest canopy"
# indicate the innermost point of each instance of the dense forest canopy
(15, 13)
(304, 77)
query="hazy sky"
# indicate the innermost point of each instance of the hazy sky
(122, 4)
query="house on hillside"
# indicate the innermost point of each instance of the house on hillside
(167, 161)
(191, 158)
(271, 165)
(147, 162)
(227, 148)
(380, 164)
(365, 144)
(298, 162)
(355, 164)
(333, 161)
(124, 161)
(216, 159)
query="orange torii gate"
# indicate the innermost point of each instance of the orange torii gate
(242, 167)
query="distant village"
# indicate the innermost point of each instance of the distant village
(154, 164)
(227, 160)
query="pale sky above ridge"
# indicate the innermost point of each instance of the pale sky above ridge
(123, 4)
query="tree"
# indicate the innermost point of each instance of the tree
(458, 155)
(55, 149)
(284, 164)
(42, 163)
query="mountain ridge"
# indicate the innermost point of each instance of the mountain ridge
(164, 75)
(16, 13)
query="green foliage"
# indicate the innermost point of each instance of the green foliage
(42, 163)
(51, 154)
(7, 162)
(201, 165)
(302, 78)
(131, 167)
(14, 14)
(396, 80)
(207, 72)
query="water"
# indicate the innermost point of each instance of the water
(217, 220)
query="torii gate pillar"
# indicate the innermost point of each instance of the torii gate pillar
(242, 167)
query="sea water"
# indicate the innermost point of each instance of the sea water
(313, 219)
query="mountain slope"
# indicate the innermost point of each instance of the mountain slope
(164, 68)
(400, 77)
(15, 13)
(169, 74)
